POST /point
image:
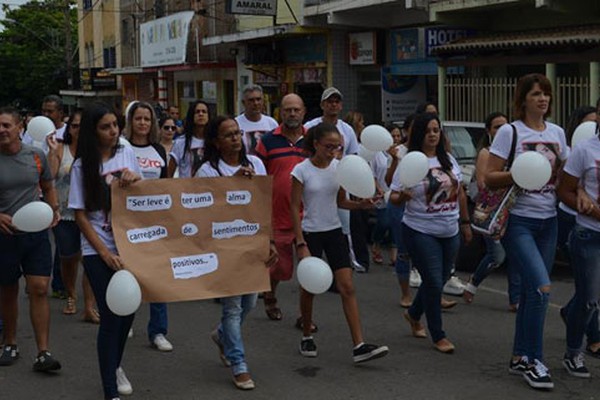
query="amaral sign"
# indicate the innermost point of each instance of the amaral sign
(252, 7)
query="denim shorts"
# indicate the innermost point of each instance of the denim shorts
(24, 254)
(333, 243)
(68, 238)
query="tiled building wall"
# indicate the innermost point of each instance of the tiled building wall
(344, 77)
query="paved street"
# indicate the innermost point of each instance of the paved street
(482, 333)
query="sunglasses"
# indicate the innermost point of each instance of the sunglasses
(169, 127)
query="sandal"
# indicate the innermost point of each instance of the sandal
(70, 307)
(271, 309)
(299, 325)
(92, 316)
(377, 258)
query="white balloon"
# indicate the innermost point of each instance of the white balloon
(414, 166)
(585, 130)
(314, 275)
(128, 108)
(365, 153)
(123, 294)
(40, 127)
(376, 138)
(531, 170)
(33, 217)
(356, 177)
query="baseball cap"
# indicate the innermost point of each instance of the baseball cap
(330, 91)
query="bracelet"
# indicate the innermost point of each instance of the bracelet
(301, 244)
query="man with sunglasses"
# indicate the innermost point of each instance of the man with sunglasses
(253, 123)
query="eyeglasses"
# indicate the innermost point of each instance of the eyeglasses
(169, 127)
(231, 135)
(332, 147)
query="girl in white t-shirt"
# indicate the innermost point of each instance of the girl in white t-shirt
(188, 149)
(100, 161)
(530, 238)
(581, 173)
(430, 226)
(225, 155)
(314, 185)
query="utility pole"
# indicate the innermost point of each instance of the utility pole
(68, 45)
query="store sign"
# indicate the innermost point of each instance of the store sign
(363, 47)
(164, 40)
(97, 79)
(400, 94)
(252, 7)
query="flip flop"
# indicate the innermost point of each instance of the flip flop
(271, 309)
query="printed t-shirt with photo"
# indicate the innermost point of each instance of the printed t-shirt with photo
(192, 158)
(254, 130)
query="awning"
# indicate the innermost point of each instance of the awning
(259, 34)
(558, 37)
(90, 93)
(126, 70)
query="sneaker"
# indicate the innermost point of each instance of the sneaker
(454, 286)
(44, 362)
(358, 267)
(519, 366)
(415, 278)
(576, 367)
(130, 333)
(538, 376)
(308, 348)
(161, 343)
(214, 335)
(9, 355)
(123, 385)
(367, 352)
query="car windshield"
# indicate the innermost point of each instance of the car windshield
(463, 144)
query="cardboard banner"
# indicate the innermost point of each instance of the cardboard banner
(195, 238)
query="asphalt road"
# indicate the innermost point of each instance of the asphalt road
(482, 333)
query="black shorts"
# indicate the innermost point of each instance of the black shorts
(24, 254)
(333, 243)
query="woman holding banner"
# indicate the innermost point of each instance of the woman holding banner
(100, 160)
(188, 149)
(141, 130)
(225, 155)
(314, 185)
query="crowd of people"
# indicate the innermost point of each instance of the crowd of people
(422, 225)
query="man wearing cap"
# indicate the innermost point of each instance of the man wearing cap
(331, 104)
(23, 171)
(253, 122)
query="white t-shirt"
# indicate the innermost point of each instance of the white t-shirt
(150, 161)
(319, 196)
(434, 208)
(350, 141)
(186, 161)
(124, 158)
(584, 163)
(552, 144)
(253, 131)
(60, 135)
(207, 171)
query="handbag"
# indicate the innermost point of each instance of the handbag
(492, 206)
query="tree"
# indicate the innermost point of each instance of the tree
(32, 51)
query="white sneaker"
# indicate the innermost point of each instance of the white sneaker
(130, 333)
(161, 343)
(123, 385)
(358, 268)
(454, 286)
(415, 278)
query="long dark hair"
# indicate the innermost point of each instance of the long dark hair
(417, 137)
(317, 132)
(67, 138)
(575, 119)
(95, 190)
(188, 123)
(211, 152)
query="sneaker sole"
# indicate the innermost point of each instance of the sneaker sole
(48, 368)
(538, 385)
(515, 371)
(377, 353)
(575, 373)
(309, 354)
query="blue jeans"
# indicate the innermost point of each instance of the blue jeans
(566, 223)
(493, 258)
(158, 322)
(582, 315)
(531, 245)
(402, 259)
(234, 311)
(382, 226)
(434, 258)
(113, 330)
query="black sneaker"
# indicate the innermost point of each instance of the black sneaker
(9, 355)
(308, 348)
(44, 362)
(575, 366)
(519, 366)
(368, 352)
(537, 376)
